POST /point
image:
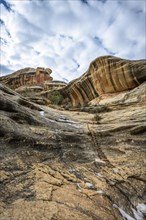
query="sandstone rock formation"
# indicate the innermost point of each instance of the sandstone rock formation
(33, 84)
(27, 77)
(107, 74)
(80, 91)
(55, 84)
(61, 165)
(32, 79)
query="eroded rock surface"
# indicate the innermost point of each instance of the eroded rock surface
(61, 165)
(35, 84)
(27, 77)
(106, 74)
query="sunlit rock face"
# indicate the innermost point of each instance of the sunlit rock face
(27, 77)
(111, 74)
(106, 74)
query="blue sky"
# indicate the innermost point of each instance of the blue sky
(66, 35)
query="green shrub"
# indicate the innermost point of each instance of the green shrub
(55, 97)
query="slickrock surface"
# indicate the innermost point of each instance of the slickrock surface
(106, 74)
(61, 165)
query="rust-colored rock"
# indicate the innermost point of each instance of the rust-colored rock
(112, 74)
(33, 84)
(106, 74)
(27, 77)
(81, 90)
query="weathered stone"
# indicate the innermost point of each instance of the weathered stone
(81, 90)
(34, 84)
(112, 74)
(62, 165)
(107, 74)
(54, 85)
(27, 77)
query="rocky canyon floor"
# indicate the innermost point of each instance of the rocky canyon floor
(73, 165)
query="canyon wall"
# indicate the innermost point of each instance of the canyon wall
(106, 74)
(27, 77)
(81, 90)
(111, 74)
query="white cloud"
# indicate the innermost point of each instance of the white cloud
(67, 35)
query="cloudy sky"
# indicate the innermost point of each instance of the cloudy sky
(66, 35)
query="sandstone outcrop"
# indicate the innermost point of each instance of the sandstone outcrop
(33, 83)
(61, 165)
(107, 74)
(27, 77)
(55, 84)
(80, 91)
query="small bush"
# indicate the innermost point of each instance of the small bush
(55, 97)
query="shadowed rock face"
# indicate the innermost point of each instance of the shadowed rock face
(105, 75)
(65, 165)
(81, 91)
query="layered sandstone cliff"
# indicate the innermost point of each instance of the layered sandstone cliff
(107, 74)
(27, 77)
(81, 91)
(33, 83)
